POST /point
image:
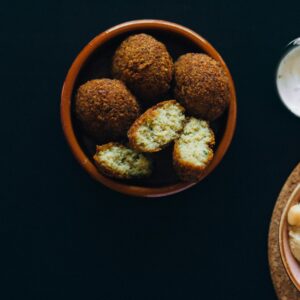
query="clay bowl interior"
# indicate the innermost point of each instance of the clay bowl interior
(95, 62)
(291, 265)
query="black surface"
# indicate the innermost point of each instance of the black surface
(68, 237)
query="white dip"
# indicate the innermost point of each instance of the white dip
(288, 80)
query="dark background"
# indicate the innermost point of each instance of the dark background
(68, 237)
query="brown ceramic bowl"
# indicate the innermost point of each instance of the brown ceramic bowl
(292, 266)
(94, 61)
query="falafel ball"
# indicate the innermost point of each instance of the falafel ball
(106, 108)
(145, 65)
(202, 85)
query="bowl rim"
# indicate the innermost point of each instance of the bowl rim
(66, 99)
(283, 241)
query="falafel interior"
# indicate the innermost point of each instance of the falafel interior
(193, 150)
(116, 160)
(157, 127)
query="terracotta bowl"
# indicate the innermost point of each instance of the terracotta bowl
(94, 61)
(292, 266)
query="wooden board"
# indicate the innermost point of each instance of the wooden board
(284, 288)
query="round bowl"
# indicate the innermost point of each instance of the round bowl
(286, 99)
(292, 266)
(94, 62)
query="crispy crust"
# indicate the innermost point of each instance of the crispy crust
(202, 84)
(106, 108)
(148, 114)
(145, 65)
(187, 171)
(106, 169)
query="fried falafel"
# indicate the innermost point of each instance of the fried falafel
(145, 65)
(157, 127)
(202, 85)
(193, 149)
(106, 108)
(117, 161)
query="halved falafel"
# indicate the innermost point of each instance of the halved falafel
(106, 108)
(202, 85)
(117, 161)
(193, 149)
(145, 65)
(157, 127)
